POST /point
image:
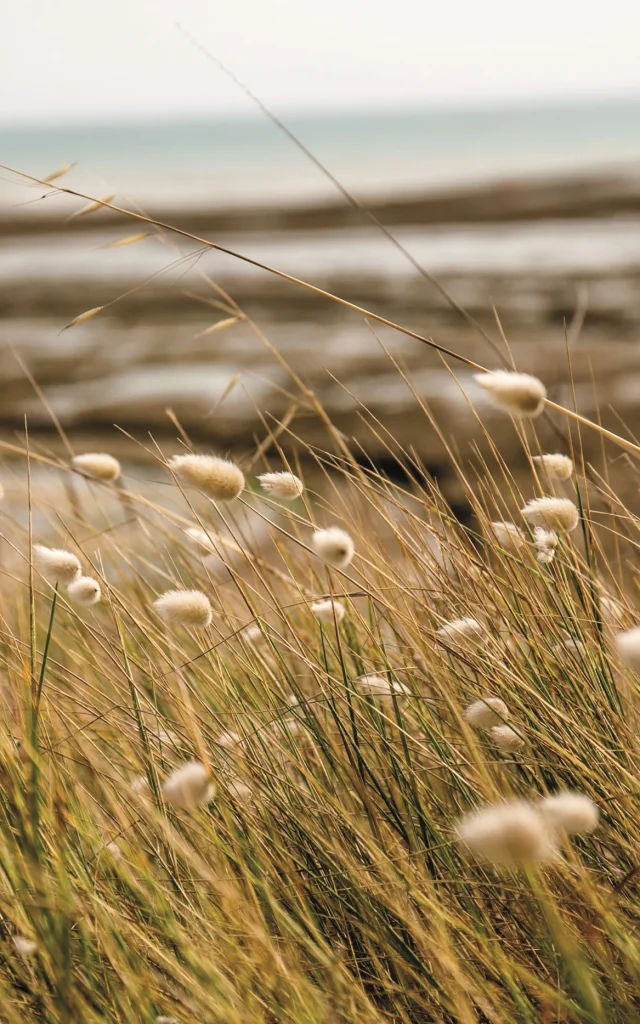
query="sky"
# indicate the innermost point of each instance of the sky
(77, 60)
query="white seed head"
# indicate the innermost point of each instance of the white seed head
(628, 647)
(334, 546)
(284, 486)
(573, 813)
(558, 515)
(508, 536)
(485, 713)
(546, 542)
(56, 564)
(610, 609)
(113, 849)
(253, 634)
(557, 467)
(506, 738)
(189, 786)
(519, 394)
(25, 947)
(217, 478)
(85, 591)
(184, 608)
(167, 1020)
(508, 834)
(201, 540)
(325, 610)
(228, 740)
(460, 629)
(569, 645)
(98, 465)
(379, 686)
(140, 785)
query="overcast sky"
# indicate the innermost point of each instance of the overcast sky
(71, 60)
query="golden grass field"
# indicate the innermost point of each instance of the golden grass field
(326, 880)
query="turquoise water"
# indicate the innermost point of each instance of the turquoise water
(216, 160)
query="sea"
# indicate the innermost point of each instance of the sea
(215, 161)
(155, 350)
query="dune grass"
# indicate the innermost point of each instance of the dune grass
(325, 882)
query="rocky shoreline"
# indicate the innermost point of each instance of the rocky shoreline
(154, 347)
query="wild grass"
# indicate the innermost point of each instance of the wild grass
(325, 882)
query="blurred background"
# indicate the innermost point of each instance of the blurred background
(499, 145)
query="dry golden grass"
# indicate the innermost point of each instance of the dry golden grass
(325, 881)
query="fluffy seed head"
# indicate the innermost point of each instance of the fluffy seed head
(85, 591)
(140, 785)
(559, 515)
(228, 740)
(506, 738)
(325, 610)
(25, 947)
(628, 647)
(201, 540)
(519, 394)
(217, 478)
(507, 833)
(167, 1020)
(284, 486)
(189, 786)
(254, 635)
(98, 465)
(574, 813)
(485, 713)
(184, 608)
(378, 686)
(334, 546)
(546, 542)
(508, 535)
(56, 564)
(610, 609)
(460, 629)
(558, 467)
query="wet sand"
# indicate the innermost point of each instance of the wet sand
(148, 350)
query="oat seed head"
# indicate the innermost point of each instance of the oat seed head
(56, 565)
(189, 786)
(184, 608)
(506, 738)
(201, 540)
(573, 813)
(460, 629)
(545, 542)
(628, 647)
(334, 546)
(218, 478)
(84, 591)
(378, 686)
(284, 486)
(509, 833)
(519, 394)
(485, 713)
(25, 947)
(98, 465)
(557, 467)
(325, 611)
(558, 515)
(508, 536)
